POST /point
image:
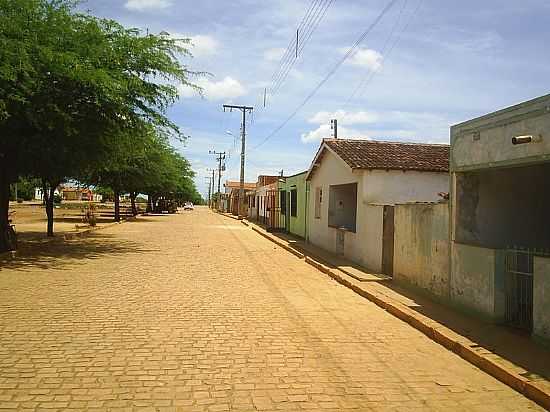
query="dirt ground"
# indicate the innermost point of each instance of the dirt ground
(30, 217)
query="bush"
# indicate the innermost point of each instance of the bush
(57, 199)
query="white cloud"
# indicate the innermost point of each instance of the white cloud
(141, 5)
(361, 117)
(368, 58)
(383, 125)
(204, 45)
(228, 88)
(274, 54)
(199, 45)
(324, 132)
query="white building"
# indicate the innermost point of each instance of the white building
(353, 187)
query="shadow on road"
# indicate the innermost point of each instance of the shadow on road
(37, 252)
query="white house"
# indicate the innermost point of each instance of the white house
(354, 185)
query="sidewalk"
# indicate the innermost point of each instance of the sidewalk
(509, 356)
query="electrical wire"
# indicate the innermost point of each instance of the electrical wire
(351, 52)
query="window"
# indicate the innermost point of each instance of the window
(282, 200)
(342, 208)
(294, 203)
(318, 202)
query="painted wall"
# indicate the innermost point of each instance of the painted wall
(334, 171)
(297, 224)
(473, 278)
(422, 247)
(541, 297)
(377, 186)
(396, 186)
(492, 146)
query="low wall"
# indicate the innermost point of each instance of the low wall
(421, 247)
(473, 279)
(541, 297)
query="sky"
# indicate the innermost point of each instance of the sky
(425, 65)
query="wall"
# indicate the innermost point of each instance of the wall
(334, 171)
(541, 297)
(499, 208)
(297, 224)
(396, 186)
(421, 246)
(473, 279)
(493, 145)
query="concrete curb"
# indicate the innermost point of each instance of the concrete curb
(454, 342)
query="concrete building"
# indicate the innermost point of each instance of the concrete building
(354, 185)
(230, 199)
(500, 220)
(293, 199)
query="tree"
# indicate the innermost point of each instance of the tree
(70, 86)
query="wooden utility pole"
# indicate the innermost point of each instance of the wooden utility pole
(221, 156)
(243, 109)
(209, 191)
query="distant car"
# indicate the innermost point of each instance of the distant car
(188, 206)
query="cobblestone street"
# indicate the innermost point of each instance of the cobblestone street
(196, 312)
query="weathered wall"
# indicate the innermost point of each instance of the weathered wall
(396, 186)
(422, 247)
(499, 208)
(487, 141)
(473, 278)
(541, 297)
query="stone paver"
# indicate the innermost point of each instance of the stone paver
(196, 312)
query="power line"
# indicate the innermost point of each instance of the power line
(352, 51)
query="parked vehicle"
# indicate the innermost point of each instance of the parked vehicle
(166, 205)
(188, 206)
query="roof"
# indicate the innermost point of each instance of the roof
(236, 185)
(372, 154)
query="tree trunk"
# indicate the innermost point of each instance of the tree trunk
(49, 210)
(117, 205)
(133, 196)
(4, 210)
(149, 204)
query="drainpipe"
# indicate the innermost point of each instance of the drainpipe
(306, 229)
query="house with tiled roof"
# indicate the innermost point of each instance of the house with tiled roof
(354, 185)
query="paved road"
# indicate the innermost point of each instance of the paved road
(195, 312)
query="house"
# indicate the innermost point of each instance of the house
(354, 185)
(293, 199)
(500, 198)
(266, 200)
(230, 199)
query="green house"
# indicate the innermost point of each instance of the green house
(293, 198)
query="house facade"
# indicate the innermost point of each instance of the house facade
(353, 187)
(500, 197)
(230, 199)
(293, 200)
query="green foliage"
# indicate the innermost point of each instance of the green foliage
(25, 189)
(76, 90)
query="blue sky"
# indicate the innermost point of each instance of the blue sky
(427, 65)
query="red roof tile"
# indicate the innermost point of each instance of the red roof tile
(371, 154)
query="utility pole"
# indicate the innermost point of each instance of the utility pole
(211, 185)
(221, 156)
(209, 191)
(243, 109)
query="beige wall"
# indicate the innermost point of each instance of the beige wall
(396, 186)
(422, 247)
(390, 187)
(473, 278)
